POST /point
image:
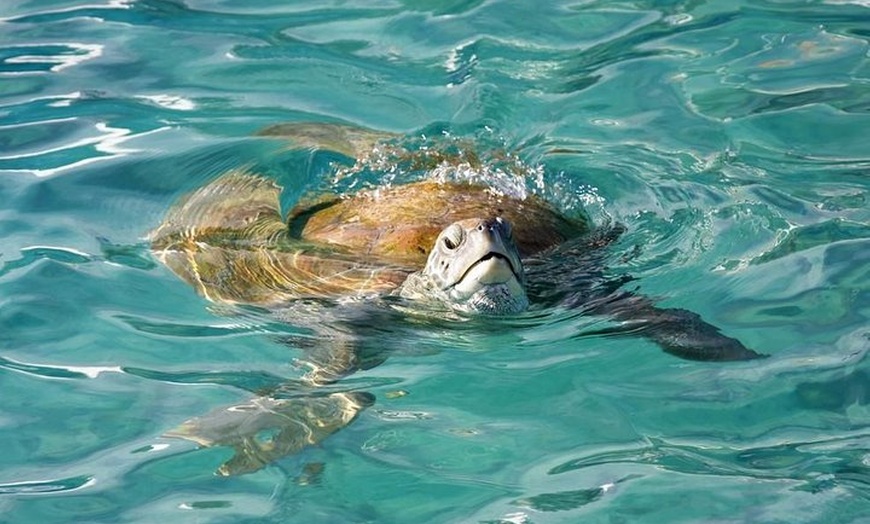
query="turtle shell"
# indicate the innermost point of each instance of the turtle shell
(399, 224)
(229, 241)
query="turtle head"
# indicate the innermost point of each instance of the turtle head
(475, 267)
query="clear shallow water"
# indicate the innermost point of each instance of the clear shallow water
(730, 139)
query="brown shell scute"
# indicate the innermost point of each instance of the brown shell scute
(401, 223)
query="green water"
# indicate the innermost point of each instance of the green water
(730, 138)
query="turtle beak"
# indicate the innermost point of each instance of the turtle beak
(491, 268)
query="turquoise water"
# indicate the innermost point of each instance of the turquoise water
(730, 138)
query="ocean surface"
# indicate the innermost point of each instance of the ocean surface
(731, 139)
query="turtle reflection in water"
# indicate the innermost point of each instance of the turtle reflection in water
(447, 249)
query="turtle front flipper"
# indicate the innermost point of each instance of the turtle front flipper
(677, 331)
(582, 284)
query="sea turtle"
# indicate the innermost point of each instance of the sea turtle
(445, 248)
(418, 240)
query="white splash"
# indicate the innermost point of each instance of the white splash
(65, 100)
(79, 53)
(516, 518)
(87, 371)
(177, 103)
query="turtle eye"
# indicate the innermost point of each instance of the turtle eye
(452, 237)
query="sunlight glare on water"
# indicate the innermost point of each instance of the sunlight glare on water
(729, 139)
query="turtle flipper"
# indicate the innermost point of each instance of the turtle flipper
(237, 206)
(686, 335)
(348, 140)
(220, 237)
(227, 239)
(582, 284)
(677, 331)
(265, 429)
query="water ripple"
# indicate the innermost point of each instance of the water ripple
(256, 382)
(807, 237)
(46, 57)
(35, 253)
(239, 323)
(91, 142)
(47, 371)
(46, 486)
(568, 500)
(818, 464)
(136, 256)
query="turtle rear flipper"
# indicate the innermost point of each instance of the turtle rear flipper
(214, 237)
(265, 429)
(351, 141)
(236, 207)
